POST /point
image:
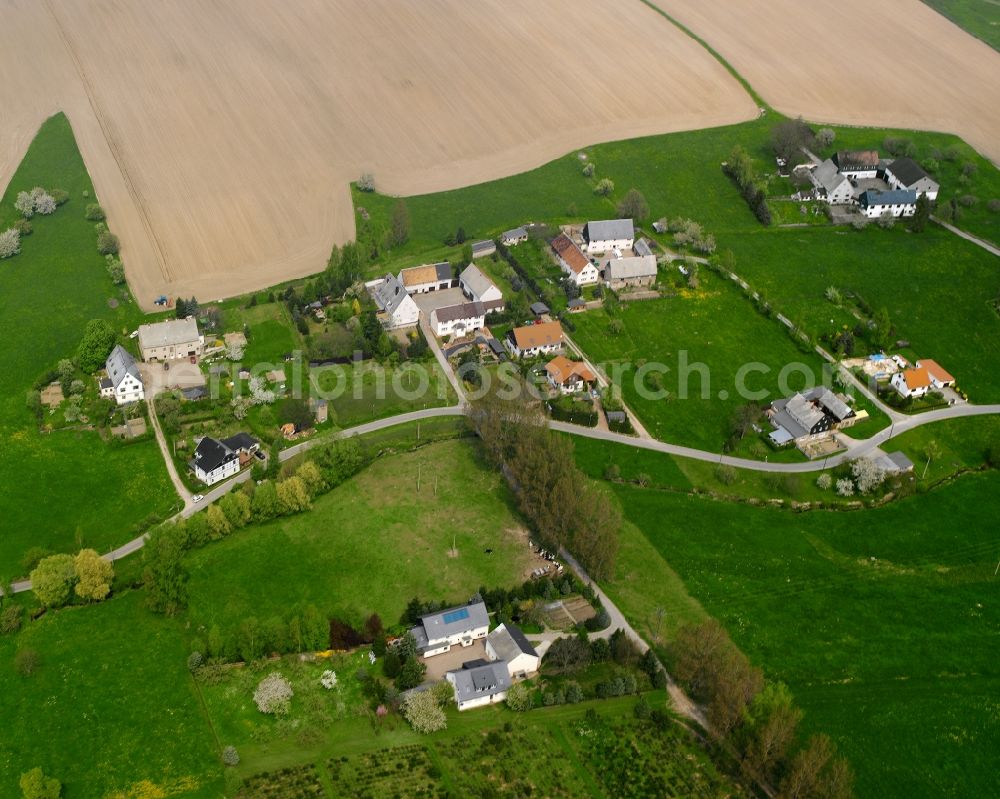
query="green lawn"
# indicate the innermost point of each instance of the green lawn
(58, 483)
(715, 326)
(935, 287)
(112, 711)
(594, 749)
(370, 545)
(359, 393)
(981, 18)
(883, 623)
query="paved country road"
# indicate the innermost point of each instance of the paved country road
(856, 449)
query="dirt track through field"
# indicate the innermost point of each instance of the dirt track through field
(221, 136)
(857, 62)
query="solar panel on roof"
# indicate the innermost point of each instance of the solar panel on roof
(456, 615)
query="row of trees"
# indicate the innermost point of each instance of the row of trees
(565, 509)
(758, 719)
(57, 578)
(739, 168)
(164, 573)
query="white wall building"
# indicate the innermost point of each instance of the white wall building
(396, 307)
(573, 262)
(609, 234)
(832, 186)
(458, 320)
(508, 644)
(429, 277)
(477, 286)
(905, 173)
(855, 164)
(175, 338)
(439, 632)
(124, 382)
(479, 684)
(532, 340)
(897, 202)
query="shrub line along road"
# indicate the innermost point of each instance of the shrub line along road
(855, 449)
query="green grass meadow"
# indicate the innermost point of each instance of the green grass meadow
(371, 545)
(67, 481)
(714, 326)
(112, 710)
(884, 623)
(981, 18)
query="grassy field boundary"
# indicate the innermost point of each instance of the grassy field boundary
(761, 102)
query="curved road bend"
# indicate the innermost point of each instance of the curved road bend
(855, 450)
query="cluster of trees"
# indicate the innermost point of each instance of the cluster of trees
(57, 578)
(107, 242)
(185, 308)
(403, 665)
(758, 719)
(790, 136)
(39, 201)
(740, 169)
(164, 573)
(565, 509)
(688, 233)
(95, 346)
(36, 785)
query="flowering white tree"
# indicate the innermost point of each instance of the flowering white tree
(10, 243)
(845, 487)
(234, 351)
(328, 679)
(45, 203)
(824, 481)
(867, 474)
(241, 405)
(424, 713)
(259, 392)
(25, 204)
(273, 695)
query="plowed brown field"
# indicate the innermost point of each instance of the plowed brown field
(889, 63)
(221, 136)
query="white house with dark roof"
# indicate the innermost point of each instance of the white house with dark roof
(511, 238)
(174, 338)
(396, 307)
(509, 645)
(856, 164)
(809, 415)
(609, 234)
(832, 186)
(439, 632)
(896, 203)
(479, 683)
(477, 286)
(905, 173)
(216, 460)
(458, 320)
(124, 382)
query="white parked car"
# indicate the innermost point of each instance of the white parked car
(197, 497)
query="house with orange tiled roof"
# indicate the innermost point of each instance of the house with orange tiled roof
(573, 262)
(926, 376)
(568, 376)
(533, 340)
